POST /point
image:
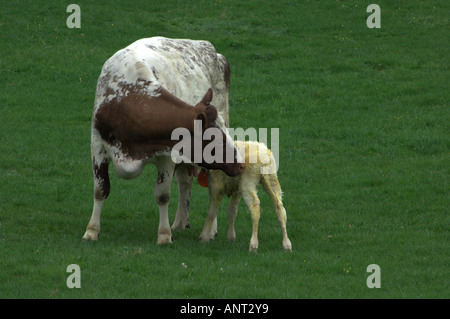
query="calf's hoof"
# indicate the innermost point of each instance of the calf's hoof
(231, 236)
(253, 247)
(90, 235)
(287, 246)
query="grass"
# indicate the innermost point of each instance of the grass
(364, 152)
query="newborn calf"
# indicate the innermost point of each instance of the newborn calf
(260, 168)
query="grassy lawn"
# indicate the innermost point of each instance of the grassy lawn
(364, 124)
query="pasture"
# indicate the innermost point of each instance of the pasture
(363, 117)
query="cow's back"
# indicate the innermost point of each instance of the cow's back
(186, 68)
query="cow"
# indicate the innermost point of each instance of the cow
(144, 92)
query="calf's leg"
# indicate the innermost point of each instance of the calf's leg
(252, 201)
(210, 228)
(231, 213)
(273, 189)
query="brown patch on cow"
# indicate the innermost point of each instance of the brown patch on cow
(140, 87)
(151, 47)
(143, 83)
(161, 178)
(178, 45)
(98, 194)
(109, 91)
(165, 231)
(155, 73)
(162, 199)
(105, 79)
(143, 124)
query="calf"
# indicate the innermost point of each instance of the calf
(259, 169)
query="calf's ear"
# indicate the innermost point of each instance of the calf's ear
(207, 98)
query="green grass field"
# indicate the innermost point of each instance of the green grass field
(364, 125)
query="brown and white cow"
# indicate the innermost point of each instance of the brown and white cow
(144, 92)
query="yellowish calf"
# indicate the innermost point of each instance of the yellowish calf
(259, 169)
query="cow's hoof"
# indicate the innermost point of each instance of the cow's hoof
(180, 227)
(164, 239)
(205, 238)
(90, 235)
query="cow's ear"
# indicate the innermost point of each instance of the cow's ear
(207, 98)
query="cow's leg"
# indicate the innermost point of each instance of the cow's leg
(214, 227)
(165, 168)
(184, 175)
(252, 201)
(231, 212)
(273, 189)
(101, 190)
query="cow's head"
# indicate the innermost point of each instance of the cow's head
(218, 149)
